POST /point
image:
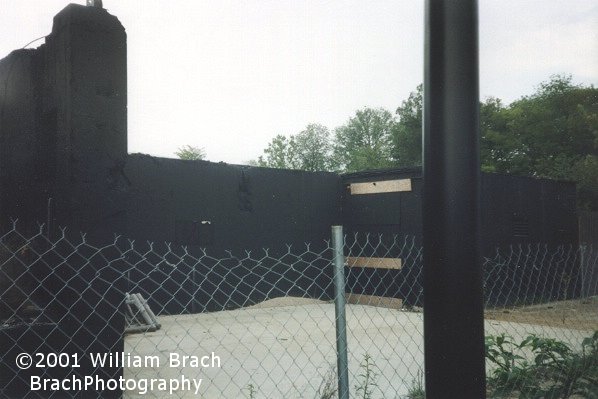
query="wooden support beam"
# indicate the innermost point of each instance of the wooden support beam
(377, 187)
(376, 263)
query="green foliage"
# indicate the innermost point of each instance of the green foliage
(364, 142)
(499, 151)
(552, 133)
(512, 372)
(407, 135)
(542, 368)
(308, 150)
(190, 153)
(367, 378)
(278, 154)
(312, 149)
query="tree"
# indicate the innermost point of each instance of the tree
(312, 149)
(278, 154)
(364, 142)
(553, 133)
(500, 151)
(556, 130)
(308, 150)
(407, 136)
(557, 124)
(190, 153)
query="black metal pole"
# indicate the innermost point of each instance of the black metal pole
(453, 295)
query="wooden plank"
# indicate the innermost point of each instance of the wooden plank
(377, 263)
(383, 186)
(372, 300)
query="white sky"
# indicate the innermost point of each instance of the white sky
(228, 75)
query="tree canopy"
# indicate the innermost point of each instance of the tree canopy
(407, 137)
(364, 141)
(308, 150)
(552, 133)
(190, 153)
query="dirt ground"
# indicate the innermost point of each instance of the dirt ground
(580, 314)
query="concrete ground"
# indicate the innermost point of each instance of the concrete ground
(289, 351)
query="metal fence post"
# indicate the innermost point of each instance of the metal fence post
(339, 310)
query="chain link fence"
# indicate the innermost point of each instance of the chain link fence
(150, 320)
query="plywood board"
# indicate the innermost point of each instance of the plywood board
(376, 263)
(383, 186)
(372, 300)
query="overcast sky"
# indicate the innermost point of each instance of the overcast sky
(230, 75)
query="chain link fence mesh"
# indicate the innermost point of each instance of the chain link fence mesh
(159, 319)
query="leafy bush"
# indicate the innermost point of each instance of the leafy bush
(542, 368)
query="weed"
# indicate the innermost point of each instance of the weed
(327, 388)
(252, 391)
(368, 378)
(417, 390)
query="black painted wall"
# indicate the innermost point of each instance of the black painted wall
(515, 210)
(226, 210)
(23, 183)
(63, 137)
(386, 213)
(228, 207)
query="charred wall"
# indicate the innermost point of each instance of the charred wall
(228, 207)
(63, 137)
(23, 181)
